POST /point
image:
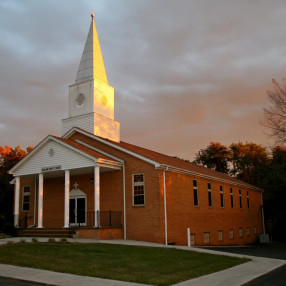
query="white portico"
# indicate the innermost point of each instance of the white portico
(61, 158)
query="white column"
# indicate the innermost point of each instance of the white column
(17, 199)
(40, 200)
(96, 196)
(67, 198)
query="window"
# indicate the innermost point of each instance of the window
(248, 231)
(206, 237)
(138, 190)
(195, 190)
(254, 230)
(240, 232)
(193, 239)
(220, 235)
(210, 195)
(231, 233)
(248, 204)
(221, 196)
(26, 198)
(240, 199)
(231, 198)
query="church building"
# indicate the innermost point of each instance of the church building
(90, 184)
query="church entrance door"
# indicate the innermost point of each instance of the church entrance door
(78, 211)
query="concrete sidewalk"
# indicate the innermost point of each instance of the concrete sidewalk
(237, 275)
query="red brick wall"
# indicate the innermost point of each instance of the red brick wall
(143, 222)
(147, 222)
(103, 233)
(182, 213)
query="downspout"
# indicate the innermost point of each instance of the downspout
(165, 207)
(124, 205)
(262, 215)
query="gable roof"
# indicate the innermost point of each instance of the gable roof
(162, 160)
(70, 144)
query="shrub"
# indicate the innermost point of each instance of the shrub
(52, 240)
(35, 240)
(63, 240)
(9, 228)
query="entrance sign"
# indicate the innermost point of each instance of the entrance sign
(52, 168)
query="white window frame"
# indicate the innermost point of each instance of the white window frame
(26, 195)
(231, 234)
(248, 231)
(255, 230)
(138, 184)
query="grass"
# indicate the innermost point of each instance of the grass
(156, 266)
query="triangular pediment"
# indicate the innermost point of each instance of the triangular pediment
(52, 155)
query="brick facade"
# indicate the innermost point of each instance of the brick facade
(147, 222)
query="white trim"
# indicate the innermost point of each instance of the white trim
(17, 201)
(41, 144)
(138, 184)
(99, 151)
(96, 196)
(40, 200)
(23, 195)
(192, 173)
(76, 197)
(73, 130)
(67, 199)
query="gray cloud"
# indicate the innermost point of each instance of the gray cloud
(185, 72)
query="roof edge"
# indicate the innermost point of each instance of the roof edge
(184, 171)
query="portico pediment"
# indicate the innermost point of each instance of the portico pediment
(52, 155)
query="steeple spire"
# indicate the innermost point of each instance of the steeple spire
(91, 64)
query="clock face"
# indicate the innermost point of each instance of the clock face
(103, 100)
(80, 99)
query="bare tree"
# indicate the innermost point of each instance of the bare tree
(275, 114)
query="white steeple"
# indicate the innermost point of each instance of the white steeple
(91, 65)
(91, 98)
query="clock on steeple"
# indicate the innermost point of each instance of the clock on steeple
(91, 98)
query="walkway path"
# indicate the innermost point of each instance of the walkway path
(237, 275)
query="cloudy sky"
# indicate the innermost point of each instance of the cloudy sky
(185, 72)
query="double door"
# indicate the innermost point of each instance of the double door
(77, 211)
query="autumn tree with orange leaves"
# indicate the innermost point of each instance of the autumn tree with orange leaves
(9, 157)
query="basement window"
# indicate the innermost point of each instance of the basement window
(26, 198)
(138, 189)
(240, 232)
(220, 235)
(206, 237)
(231, 234)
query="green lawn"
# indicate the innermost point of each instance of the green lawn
(156, 266)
